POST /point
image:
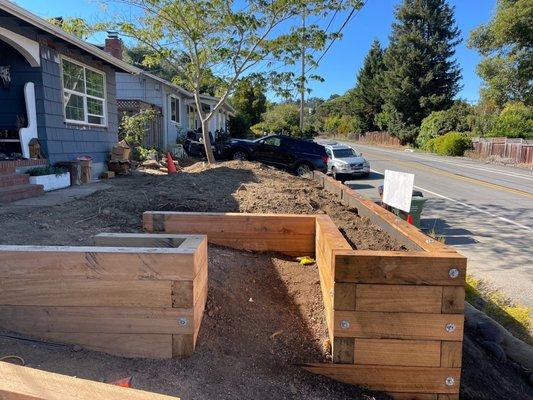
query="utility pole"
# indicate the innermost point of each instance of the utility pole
(302, 78)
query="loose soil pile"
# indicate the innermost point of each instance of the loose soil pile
(227, 187)
(246, 348)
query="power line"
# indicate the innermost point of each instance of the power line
(348, 19)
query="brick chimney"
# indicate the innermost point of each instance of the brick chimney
(113, 45)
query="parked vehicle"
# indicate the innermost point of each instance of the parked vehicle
(299, 155)
(344, 162)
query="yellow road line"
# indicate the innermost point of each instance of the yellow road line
(417, 165)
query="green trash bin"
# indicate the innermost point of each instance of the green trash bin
(417, 205)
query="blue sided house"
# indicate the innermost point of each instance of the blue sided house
(57, 89)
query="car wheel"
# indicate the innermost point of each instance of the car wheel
(240, 155)
(303, 169)
(334, 173)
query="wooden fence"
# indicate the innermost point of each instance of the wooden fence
(154, 128)
(116, 297)
(379, 138)
(518, 150)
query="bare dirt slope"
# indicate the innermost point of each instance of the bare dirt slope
(236, 358)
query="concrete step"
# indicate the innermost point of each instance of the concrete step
(7, 180)
(19, 192)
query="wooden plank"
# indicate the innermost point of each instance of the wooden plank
(453, 300)
(182, 294)
(451, 354)
(84, 292)
(140, 240)
(408, 353)
(381, 325)
(413, 396)
(182, 345)
(36, 320)
(289, 234)
(47, 262)
(326, 286)
(448, 397)
(344, 296)
(391, 379)
(343, 350)
(396, 267)
(119, 344)
(23, 383)
(399, 298)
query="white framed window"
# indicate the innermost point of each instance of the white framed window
(175, 109)
(84, 94)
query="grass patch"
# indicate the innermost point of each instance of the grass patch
(514, 317)
(434, 235)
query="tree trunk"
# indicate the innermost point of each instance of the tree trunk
(207, 142)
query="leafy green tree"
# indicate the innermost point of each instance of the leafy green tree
(456, 118)
(282, 119)
(515, 121)
(226, 38)
(367, 94)
(421, 75)
(249, 99)
(506, 42)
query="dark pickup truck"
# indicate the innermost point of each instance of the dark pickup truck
(299, 155)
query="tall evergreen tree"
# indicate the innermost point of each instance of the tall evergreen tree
(367, 96)
(421, 75)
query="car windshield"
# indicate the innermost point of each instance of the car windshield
(345, 153)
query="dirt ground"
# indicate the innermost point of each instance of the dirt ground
(253, 334)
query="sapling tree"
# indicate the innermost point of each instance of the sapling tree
(227, 39)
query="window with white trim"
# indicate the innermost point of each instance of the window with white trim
(84, 94)
(175, 109)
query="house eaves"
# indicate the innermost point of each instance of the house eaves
(37, 22)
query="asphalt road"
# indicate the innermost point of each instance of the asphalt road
(485, 211)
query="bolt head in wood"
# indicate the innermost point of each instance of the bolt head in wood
(449, 381)
(453, 273)
(450, 327)
(345, 324)
(182, 321)
(429, 240)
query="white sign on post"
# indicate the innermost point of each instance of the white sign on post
(398, 189)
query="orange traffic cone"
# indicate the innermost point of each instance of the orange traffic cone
(125, 382)
(410, 219)
(170, 164)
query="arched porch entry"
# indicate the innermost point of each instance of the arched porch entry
(19, 71)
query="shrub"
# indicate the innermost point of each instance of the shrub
(450, 144)
(515, 121)
(143, 153)
(133, 128)
(456, 118)
(48, 170)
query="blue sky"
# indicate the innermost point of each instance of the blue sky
(339, 67)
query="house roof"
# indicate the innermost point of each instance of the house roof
(48, 27)
(40, 23)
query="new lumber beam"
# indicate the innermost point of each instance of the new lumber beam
(289, 234)
(23, 383)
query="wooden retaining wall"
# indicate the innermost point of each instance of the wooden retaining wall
(395, 319)
(397, 316)
(289, 234)
(128, 301)
(23, 383)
